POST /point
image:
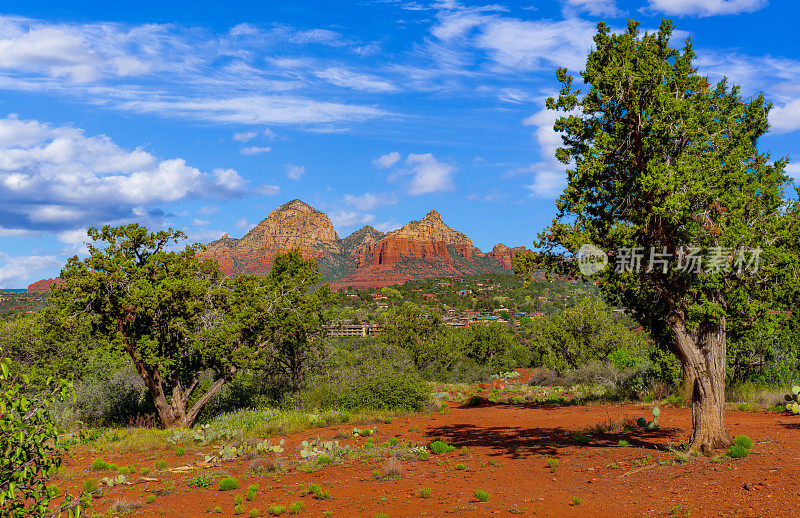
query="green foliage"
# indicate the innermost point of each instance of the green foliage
(743, 441)
(101, 465)
(575, 501)
(737, 451)
(318, 492)
(482, 496)
(228, 484)
(296, 507)
(622, 443)
(440, 447)
(254, 513)
(218, 509)
(552, 464)
(160, 464)
(276, 510)
(31, 450)
(793, 400)
(238, 509)
(425, 492)
(251, 492)
(201, 480)
(460, 467)
(238, 500)
(582, 439)
(151, 498)
(179, 451)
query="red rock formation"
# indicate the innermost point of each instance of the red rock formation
(505, 255)
(44, 285)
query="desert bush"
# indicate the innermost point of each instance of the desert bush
(101, 465)
(296, 507)
(737, 452)
(228, 484)
(743, 441)
(318, 492)
(439, 447)
(392, 468)
(125, 506)
(425, 492)
(482, 496)
(544, 377)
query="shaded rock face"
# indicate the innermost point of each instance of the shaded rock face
(366, 258)
(505, 255)
(43, 285)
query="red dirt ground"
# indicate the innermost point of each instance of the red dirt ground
(508, 446)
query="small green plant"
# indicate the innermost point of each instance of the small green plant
(424, 455)
(388, 420)
(101, 465)
(582, 439)
(125, 470)
(144, 472)
(89, 486)
(793, 400)
(228, 484)
(482, 496)
(413, 428)
(622, 443)
(254, 513)
(737, 452)
(425, 492)
(150, 499)
(393, 441)
(575, 501)
(743, 441)
(160, 465)
(218, 510)
(296, 507)
(460, 467)
(439, 447)
(238, 500)
(318, 492)
(179, 451)
(276, 510)
(323, 460)
(681, 457)
(552, 464)
(239, 509)
(251, 492)
(200, 480)
(328, 513)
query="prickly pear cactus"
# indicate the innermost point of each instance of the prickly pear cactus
(316, 448)
(656, 413)
(793, 400)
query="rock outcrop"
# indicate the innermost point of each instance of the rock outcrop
(44, 285)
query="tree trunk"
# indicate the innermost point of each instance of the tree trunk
(703, 355)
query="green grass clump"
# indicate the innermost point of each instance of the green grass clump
(254, 513)
(425, 492)
(144, 472)
(89, 486)
(319, 493)
(388, 420)
(424, 455)
(623, 443)
(218, 510)
(238, 500)
(228, 484)
(296, 507)
(125, 470)
(324, 460)
(482, 496)
(160, 465)
(101, 465)
(552, 464)
(276, 510)
(460, 467)
(743, 441)
(150, 499)
(179, 451)
(239, 509)
(737, 452)
(582, 439)
(251, 492)
(576, 501)
(200, 481)
(439, 447)
(393, 441)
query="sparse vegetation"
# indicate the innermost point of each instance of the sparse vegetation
(482, 496)
(228, 484)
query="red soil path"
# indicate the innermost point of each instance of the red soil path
(508, 446)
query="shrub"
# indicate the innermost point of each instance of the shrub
(393, 441)
(126, 470)
(251, 492)
(318, 492)
(200, 481)
(296, 507)
(238, 500)
(623, 443)
(482, 496)
(89, 486)
(737, 452)
(425, 492)
(439, 447)
(218, 510)
(323, 460)
(150, 499)
(254, 513)
(179, 451)
(582, 439)
(392, 469)
(239, 509)
(460, 467)
(576, 501)
(743, 441)
(228, 484)
(101, 465)
(125, 506)
(552, 464)
(160, 465)
(276, 510)
(144, 472)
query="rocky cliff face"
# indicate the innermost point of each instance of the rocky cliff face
(43, 285)
(421, 249)
(504, 255)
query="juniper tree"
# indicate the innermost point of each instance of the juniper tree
(660, 160)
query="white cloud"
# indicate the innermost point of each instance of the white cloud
(200, 222)
(348, 79)
(787, 117)
(245, 225)
(245, 136)
(706, 7)
(368, 200)
(345, 218)
(429, 174)
(267, 190)
(254, 150)
(19, 271)
(56, 177)
(270, 134)
(388, 160)
(208, 210)
(387, 226)
(594, 7)
(548, 184)
(295, 172)
(793, 170)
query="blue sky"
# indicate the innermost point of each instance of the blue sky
(206, 117)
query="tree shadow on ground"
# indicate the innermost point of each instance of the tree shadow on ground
(521, 442)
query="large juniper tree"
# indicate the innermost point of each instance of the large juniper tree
(661, 160)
